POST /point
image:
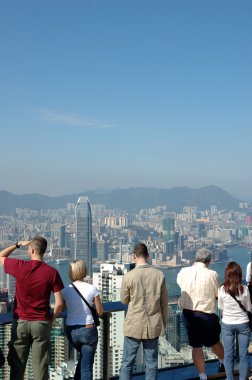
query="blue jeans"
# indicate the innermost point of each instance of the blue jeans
(84, 340)
(130, 348)
(229, 332)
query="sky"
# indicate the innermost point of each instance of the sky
(125, 93)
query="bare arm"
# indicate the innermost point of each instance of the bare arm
(98, 305)
(7, 251)
(58, 305)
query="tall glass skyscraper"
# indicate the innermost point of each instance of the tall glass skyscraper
(83, 232)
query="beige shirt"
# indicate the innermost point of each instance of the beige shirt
(199, 288)
(144, 290)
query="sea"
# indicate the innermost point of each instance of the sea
(239, 254)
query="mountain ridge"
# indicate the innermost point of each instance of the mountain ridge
(131, 199)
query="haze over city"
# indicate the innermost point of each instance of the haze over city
(105, 94)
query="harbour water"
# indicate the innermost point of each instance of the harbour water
(239, 254)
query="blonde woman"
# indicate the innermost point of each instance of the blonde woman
(81, 330)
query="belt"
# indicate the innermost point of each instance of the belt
(89, 325)
(199, 312)
(194, 311)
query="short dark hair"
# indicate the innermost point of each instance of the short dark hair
(39, 244)
(141, 250)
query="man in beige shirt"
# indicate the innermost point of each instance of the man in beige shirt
(144, 290)
(199, 291)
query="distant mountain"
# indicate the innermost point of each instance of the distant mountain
(132, 199)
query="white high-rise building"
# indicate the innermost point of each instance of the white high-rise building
(83, 233)
(59, 344)
(3, 275)
(5, 335)
(109, 281)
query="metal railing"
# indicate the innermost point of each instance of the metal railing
(182, 371)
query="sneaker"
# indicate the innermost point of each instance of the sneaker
(221, 368)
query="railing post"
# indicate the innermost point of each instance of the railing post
(106, 345)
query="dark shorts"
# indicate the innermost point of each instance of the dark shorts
(203, 329)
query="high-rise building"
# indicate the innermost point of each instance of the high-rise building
(3, 276)
(11, 284)
(201, 227)
(214, 209)
(173, 327)
(83, 232)
(5, 335)
(109, 281)
(62, 236)
(168, 229)
(59, 344)
(70, 243)
(102, 250)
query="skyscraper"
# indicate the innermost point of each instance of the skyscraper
(109, 281)
(62, 236)
(59, 344)
(168, 228)
(83, 232)
(102, 249)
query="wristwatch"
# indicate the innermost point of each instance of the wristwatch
(17, 245)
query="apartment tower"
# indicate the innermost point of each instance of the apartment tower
(83, 233)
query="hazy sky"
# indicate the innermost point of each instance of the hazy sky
(122, 93)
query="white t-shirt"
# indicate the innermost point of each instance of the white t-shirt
(232, 314)
(78, 313)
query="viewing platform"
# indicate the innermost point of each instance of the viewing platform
(181, 372)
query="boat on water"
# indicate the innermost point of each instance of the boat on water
(62, 261)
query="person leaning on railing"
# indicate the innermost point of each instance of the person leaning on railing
(81, 330)
(199, 290)
(144, 291)
(32, 321)
(235, 322)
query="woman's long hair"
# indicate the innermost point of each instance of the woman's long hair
(233, 279)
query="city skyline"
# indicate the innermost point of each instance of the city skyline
(125, 94)
(172, 239)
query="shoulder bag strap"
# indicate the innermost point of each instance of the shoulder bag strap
(77, 290)
(239, 303)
